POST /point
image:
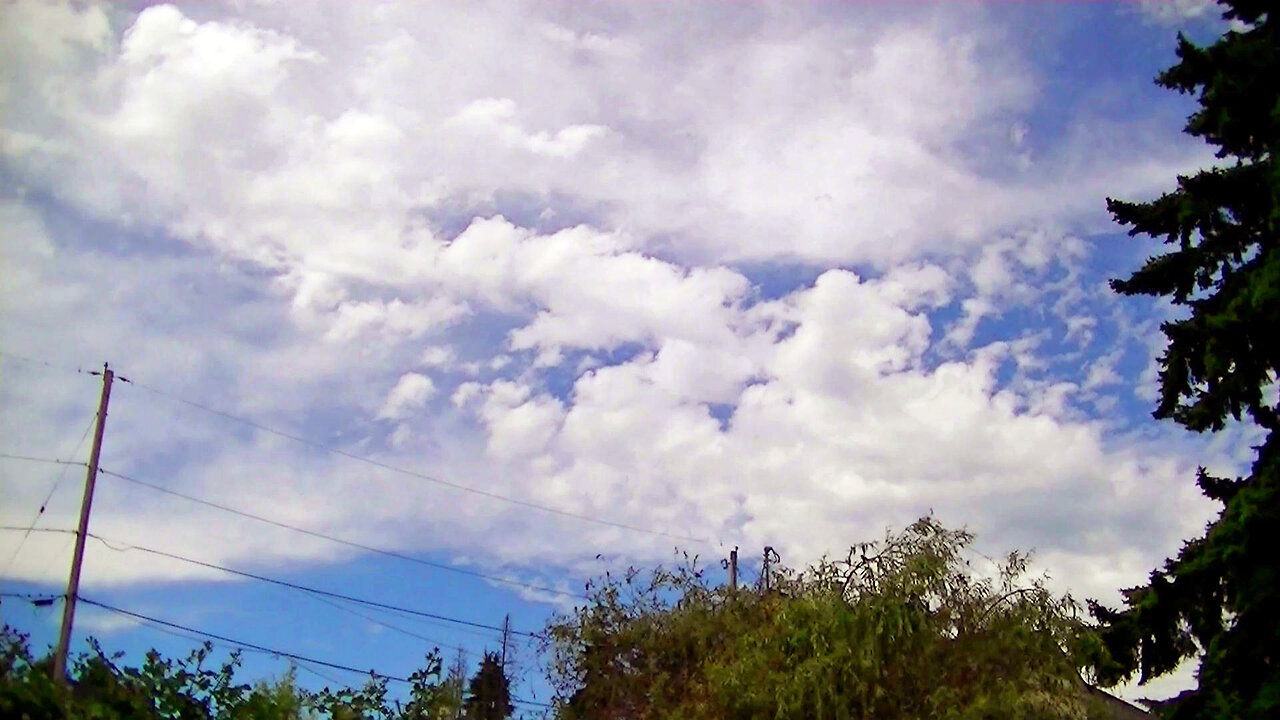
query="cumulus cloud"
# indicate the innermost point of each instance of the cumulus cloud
(497, 118)
(411, 392)
(780, 280)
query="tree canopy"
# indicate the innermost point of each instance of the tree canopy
(101, 688)
(904, 628)
(1219, 599)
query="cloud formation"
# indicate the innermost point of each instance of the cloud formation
(786, 278)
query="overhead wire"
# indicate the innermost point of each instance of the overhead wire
(239, 643)
(341, 453)
(384, 465)
(439, 644)
(197, 637)
(312, 590)
(303, 666)
(419, 475)
(22, 528)
(189, 633)
(338, 540)
(36, 361)
(313, 533)
(29, 458)
(486, 634)
(336, 451)
(48, 496)
(33, 597)
(184, 634)
(316, 592)
(243, 644)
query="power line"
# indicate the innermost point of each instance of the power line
(240, 643)
(34, 361)
(314, 593)
(48, 496)
(29, 458)
(39, 530)
(189, 633)
(385, 465)
(194, 636)
(340, 541)
(317, 673)
(295, 586)
(434, 619)
(262, 648)
(486, 634)
(419, 475)
(33, 597)
(389, 626)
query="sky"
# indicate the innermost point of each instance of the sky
(539, 290)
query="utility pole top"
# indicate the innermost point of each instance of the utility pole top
(506, 637)
(733, 568)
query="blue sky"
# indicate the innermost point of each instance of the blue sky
(747, 273)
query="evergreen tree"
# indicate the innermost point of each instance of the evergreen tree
(1220, 597)
(490, 697)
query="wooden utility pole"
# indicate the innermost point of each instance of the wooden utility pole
(82, 533)
(506, 636)
(764, 571)
(460, 672)
(733, 569)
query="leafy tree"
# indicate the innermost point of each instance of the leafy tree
(448, 705)
(1220, 597)
(903, 628)
(161, 689)
(490, 692)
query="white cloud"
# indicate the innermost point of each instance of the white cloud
(443, 120)
(1171, 12)
(438, 356)
(411, 392)
(396, 317)
(1102, 372)
(497, 118)
(303, 213)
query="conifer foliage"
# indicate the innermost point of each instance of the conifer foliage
(1219, 599)
(490, 697)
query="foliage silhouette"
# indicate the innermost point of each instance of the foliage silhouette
(1219, 599)
(490, 697)
(102, 689)
(903, 628)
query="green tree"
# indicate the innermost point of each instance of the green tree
(490, 692)
(903, 628)
(101, 689)
(162, 689)
(1219, 599)
(440, 700)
